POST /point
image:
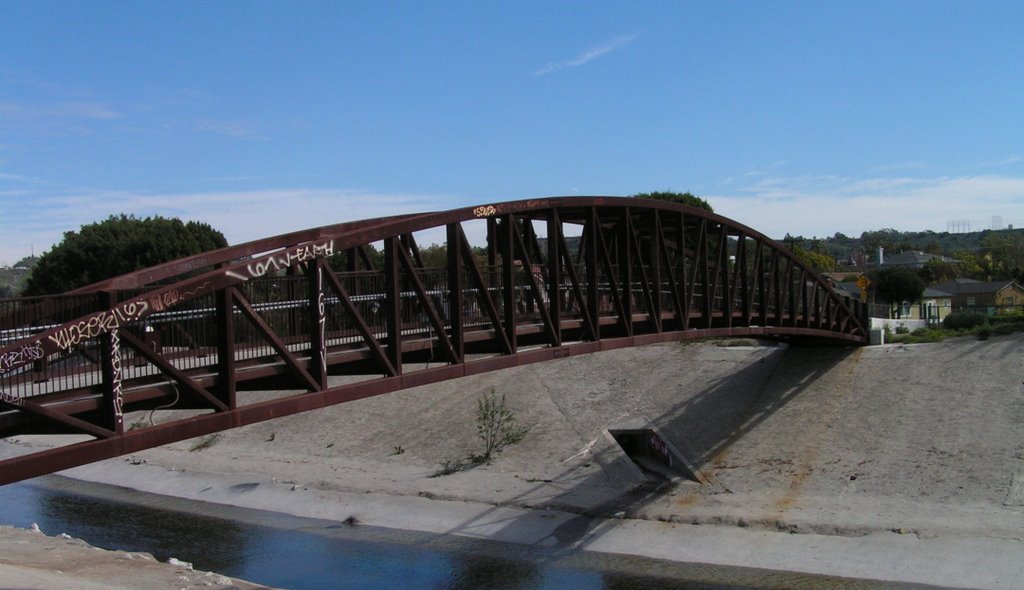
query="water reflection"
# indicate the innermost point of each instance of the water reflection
(131, 527)
(295, 553)
(468, 572)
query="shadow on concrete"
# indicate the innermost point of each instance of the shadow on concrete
(703, 426)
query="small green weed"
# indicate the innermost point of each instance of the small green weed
(204, 442)
(496, 425)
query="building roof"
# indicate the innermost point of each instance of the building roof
(913, 258)
(849, 289)
(971, 286)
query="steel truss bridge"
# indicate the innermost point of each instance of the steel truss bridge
(556, 277)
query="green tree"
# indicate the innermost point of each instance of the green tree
(434, 256)
(938, 270)
(686, 198)
(818, 261)
(896, 285)
(969, 266)
(1003, 254)
(116, 246)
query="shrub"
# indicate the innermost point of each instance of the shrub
(964, 320)
(1003, 328)
(920, 336)
(496, 424)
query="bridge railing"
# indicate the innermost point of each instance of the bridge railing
(291, 311)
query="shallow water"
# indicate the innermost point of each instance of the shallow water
(298, 553)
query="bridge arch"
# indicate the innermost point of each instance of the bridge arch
(554, 277)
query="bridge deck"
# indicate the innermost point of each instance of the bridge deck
(359, 299)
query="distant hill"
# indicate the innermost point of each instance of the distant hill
(948, 244)
(12, 278)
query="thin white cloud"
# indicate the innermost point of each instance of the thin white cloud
(241, 216)
(585, 57)
(1003, 162)
(91, 110)
(824, 205)
(236, 129)
(900, 166)
(94, 111)
(232, 178)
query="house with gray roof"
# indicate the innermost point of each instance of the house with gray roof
(987, 297)
(912, 259)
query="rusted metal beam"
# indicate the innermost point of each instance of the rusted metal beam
(167, 369)
(508, 279)
(636, 257)
(522, 248)
(609, 273)
(456, 290)
(554, 275)
(393, 303)
(378, 353)
(483, 295)
(430, 310)
(317, 303)
(286, 355)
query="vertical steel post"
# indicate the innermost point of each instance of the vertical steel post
(723, 263)
(685, 285)
(227, 384)
(590, 262)
(654, 249)
(625, 258)
(393, 302)
(761, 284)
(492, 251)
(704, 264)
(554, 260)
(456, 290)
(508, 279)
(317, 318)
(746, 300)
(112, 415)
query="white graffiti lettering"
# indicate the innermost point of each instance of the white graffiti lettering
(9, 398)
(322, 320)
(14, 358)
(161, 301)
(192, 293)
(486, 211)
(276, 262)
(88, 328)
(115, 370)
(100, 323)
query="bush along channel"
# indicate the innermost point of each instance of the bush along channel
(496, 426)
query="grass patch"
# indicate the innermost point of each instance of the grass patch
(496, 426)
(204, 442)
(998, 327)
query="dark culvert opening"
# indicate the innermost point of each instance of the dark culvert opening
(653, 455)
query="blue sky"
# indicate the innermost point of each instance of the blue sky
(265, 117)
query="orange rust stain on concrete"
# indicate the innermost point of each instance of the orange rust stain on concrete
(804, 466)
(687, 500)
(796, 486)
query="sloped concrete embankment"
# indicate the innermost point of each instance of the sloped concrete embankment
(921, 442)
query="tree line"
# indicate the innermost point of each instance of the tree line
(125, 243)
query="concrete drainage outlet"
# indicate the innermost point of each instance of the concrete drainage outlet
(653, 454)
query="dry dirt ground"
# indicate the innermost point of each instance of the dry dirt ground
(30, 560)
(921, 440)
